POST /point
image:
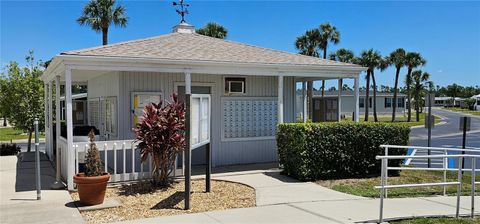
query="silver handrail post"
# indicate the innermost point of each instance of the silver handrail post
(445, 167)
(386, 174)
(382, 190)
(473, 187)
(459, 186)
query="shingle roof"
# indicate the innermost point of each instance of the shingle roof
(196, 47)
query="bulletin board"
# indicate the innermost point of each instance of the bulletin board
(247, 118)
(139, 101)
(200, 111)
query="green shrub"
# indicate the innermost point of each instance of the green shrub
(314, 151)
(7, 149)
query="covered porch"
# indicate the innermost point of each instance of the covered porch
(252, 89)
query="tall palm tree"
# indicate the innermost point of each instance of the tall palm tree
(308, 44)
(372, 60)
(213, 29)
(328, 33)
(421, 82)
(342, 55)
(412, 60)
(397, 59)
(100, 14)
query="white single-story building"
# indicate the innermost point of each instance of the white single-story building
(476, 106)
(325, 108)
(448, 101)
(252, 89)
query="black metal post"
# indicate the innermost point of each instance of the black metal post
(208, 170)
(188, 159)
(464, 140)
(37, 158)
(429, 119)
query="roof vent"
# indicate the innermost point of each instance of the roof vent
(184, 27)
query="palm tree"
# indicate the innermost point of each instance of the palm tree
(308, 44)
(213, 29)
(100, 14)
(328, 33)
(420, 81)
(342, 55)
(412, 60)
(372, 60)
(397, 59)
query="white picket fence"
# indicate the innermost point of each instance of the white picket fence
(119, 158)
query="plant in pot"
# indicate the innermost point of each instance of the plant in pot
(92, 184)
(161, 135)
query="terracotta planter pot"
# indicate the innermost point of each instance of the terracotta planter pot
(91, 190)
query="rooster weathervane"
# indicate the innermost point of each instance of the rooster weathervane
(181, 9)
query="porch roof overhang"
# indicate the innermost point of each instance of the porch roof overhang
(114, 64)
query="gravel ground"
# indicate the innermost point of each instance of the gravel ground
(141, 201)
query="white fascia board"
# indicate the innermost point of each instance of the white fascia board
(203, 67)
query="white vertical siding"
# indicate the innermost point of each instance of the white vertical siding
(223, 153)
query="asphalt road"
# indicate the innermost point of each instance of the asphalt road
(447, 135)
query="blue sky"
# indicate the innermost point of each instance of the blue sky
(447, 34)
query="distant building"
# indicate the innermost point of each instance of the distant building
(325, 109)
(448, 101)
(477, 102)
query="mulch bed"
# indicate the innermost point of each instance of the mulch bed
(141, 200)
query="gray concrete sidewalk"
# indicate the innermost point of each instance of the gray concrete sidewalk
(282, 199)
(18, 202)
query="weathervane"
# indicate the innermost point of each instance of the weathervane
(181, 9)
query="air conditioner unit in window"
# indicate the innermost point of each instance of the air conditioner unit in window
(236, 86)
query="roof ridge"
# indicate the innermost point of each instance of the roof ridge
(116, 44)
(271, 49)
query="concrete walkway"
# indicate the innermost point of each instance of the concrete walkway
(18, 202)
(281, 199)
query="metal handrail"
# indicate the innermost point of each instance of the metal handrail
(415, 148)
(384, 169)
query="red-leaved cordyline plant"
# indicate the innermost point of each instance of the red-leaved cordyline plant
(161, 134)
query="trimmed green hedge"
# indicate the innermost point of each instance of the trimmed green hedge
(315, 151)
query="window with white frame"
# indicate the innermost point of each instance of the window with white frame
(235, 85)
(388, 102)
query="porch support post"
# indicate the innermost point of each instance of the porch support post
(356, 99)
(339, 101)
(280, 99)
(58, 182)
(46, 107)
(304, 102)
(188, 159)
(70, 151)
(50, 122)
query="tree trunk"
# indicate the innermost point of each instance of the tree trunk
(395, 90)
(323, 81)
(29, 145)
(4, 121)
(310, 100)
(409, 96)
(374, 101)
(417, 105)
(323, 88)
(367, 95)
(105, 36)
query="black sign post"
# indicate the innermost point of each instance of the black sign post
(464, 127)
(429, 121)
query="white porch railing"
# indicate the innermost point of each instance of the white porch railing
(119, 158)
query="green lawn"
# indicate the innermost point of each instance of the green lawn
(365, 187)
(457, 109)
(439, 221)
(400, 119)
(7, 134)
